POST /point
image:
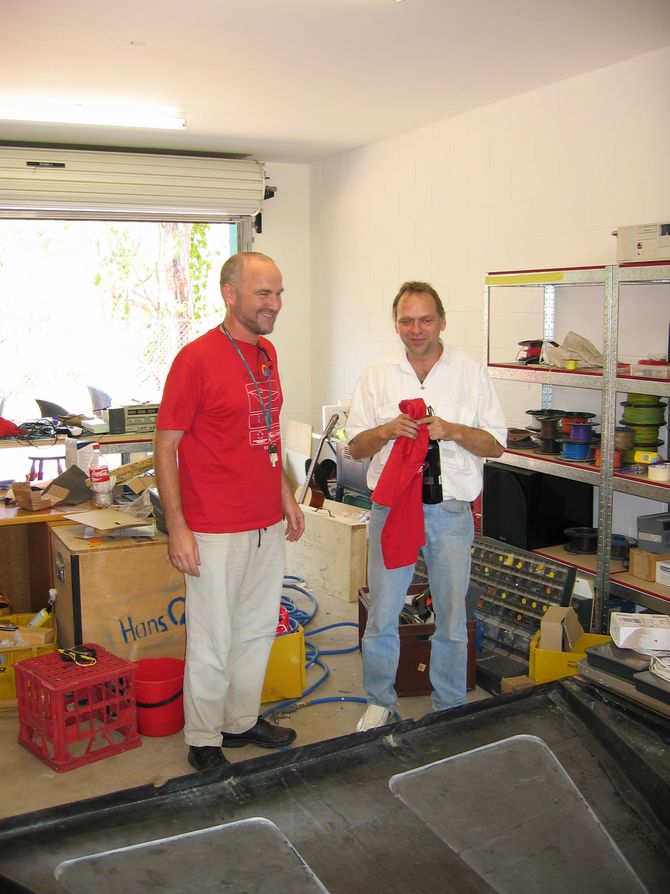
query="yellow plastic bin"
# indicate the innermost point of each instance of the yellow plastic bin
(38, 641)
(286, 676)
(545, 665)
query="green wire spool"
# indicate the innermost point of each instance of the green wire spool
(642, 400)
(633, 415)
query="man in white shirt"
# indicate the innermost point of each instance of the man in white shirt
(469, 425)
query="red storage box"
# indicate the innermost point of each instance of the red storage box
(71, 715)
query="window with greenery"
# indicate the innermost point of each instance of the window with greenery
(102, 303)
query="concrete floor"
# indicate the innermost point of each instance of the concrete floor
(28, 784)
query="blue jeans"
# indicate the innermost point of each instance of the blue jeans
(449, 534)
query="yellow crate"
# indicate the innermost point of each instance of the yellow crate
(285, 676)
(9, 657)
(546, 664)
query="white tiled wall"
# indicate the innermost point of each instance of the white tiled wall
(540, 180)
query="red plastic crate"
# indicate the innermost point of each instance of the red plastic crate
(70, 715)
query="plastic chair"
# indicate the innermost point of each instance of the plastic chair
(48, 409)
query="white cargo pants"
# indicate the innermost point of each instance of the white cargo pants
(231, 618)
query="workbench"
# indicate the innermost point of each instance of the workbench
(25, 560)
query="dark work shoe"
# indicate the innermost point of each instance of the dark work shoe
(206, 757)
(263, 734)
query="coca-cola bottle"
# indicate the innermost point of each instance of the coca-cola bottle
(101, 485)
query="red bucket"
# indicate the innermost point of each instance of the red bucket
(159, 686)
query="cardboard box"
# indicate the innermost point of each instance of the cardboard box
(640, 631)
(643, 563)
(663, 573)
(35, 500)
(28, 636)
(560, 629)
(123, 594)
(332, 553)
(545, 665)
(39, 641)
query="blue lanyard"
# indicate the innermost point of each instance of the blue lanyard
(267, 413)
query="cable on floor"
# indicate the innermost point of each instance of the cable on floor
(298, 616)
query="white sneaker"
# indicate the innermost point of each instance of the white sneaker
(374, 716)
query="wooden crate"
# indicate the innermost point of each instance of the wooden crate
(123, 594)
(332, 553)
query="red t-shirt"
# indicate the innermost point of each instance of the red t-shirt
(228, 483)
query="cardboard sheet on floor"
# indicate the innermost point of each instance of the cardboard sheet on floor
(249, 856)
(532, 812)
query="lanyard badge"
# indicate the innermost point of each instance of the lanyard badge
(267, 411)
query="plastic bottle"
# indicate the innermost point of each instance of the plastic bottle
(98, 473)
(42, 616)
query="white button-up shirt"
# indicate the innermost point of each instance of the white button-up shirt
(457, 388)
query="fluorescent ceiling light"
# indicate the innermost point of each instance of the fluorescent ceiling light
(61, 112)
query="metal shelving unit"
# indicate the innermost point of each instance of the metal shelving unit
(609, 280)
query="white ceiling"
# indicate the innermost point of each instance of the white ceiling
(300, 80)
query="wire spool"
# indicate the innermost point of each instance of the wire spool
(575, 452)
(548, 446)
(581, 540)
(546, 411)
(645, 415)
(581, 432)
(574, 417)
(642, 400)
(519, 439)
(645, 435)
(548, 426)
(617, 457)
(623, 438)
